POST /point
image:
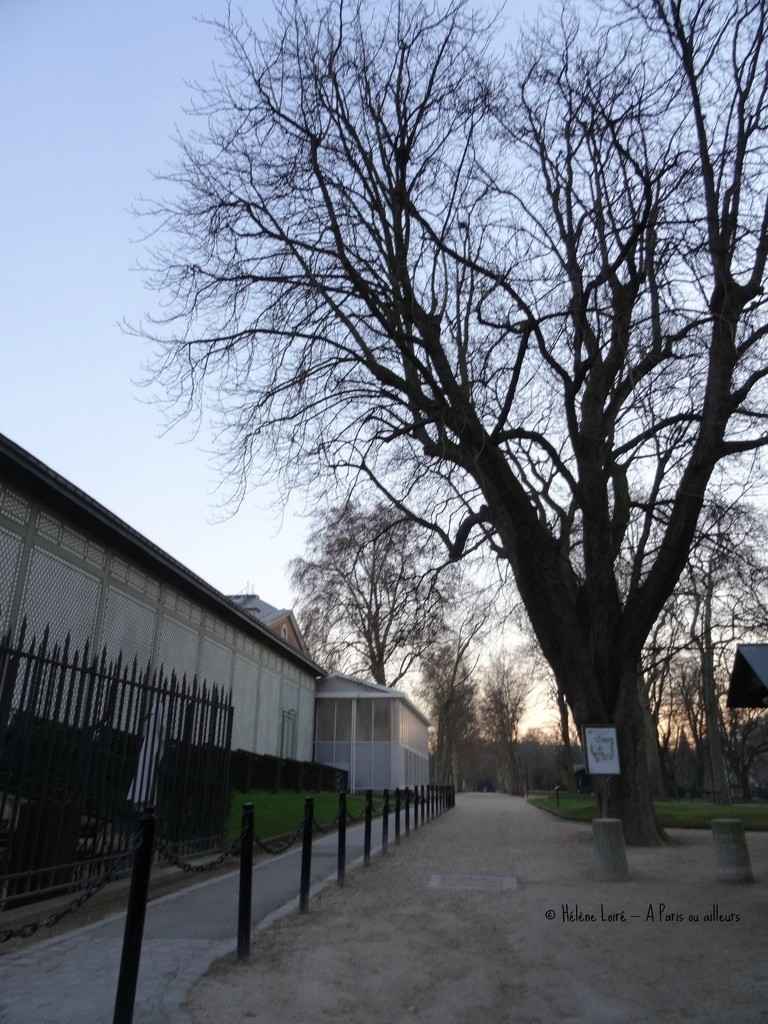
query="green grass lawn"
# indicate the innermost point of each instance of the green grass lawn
(279, 814)
(669, 813)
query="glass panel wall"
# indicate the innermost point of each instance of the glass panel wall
(325, 722)
(364, 720)
(343, 721)
(382, 721)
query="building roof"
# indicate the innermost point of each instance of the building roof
(257, 607)
(272, 617)
(749, 678)
(34, 477)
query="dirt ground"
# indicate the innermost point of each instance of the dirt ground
(491, 914)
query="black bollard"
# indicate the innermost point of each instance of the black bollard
(367, 829)
(342, 858)
(385, 823)
(397, 817)
(423, 805)
(415, 808)
(134, 920)
(306, 853)
(246, 886)
(407, 811)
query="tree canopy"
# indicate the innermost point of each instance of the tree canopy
(369, 598)
(519, 294)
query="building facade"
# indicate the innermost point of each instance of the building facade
(70, 565)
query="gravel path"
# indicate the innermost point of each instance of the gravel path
(491, 914)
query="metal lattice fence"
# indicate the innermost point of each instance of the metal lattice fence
(85, 743)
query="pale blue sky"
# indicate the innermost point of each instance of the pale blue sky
(90, 91)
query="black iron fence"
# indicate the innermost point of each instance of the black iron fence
(85, 743)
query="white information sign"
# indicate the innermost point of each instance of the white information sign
(601, 749)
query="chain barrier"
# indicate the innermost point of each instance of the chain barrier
(175, 861)
(325, 829)
(275, 851)
(357, 818)
(28, 930)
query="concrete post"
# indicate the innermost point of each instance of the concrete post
(731, 851)
(610, 854)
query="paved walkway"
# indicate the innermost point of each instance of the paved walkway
(72, 979)
(491, 915)
(488, 914)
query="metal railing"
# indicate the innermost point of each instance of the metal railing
(144, 845)
(86, 742)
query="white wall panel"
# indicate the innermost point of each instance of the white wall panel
(129, 627)
(305, 725)
(60, 595)
(10, 554)
(245, 697)
(216, 664)
(270, 718)
(177, 649)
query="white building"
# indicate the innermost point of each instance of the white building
(376, 734)
(68, 563)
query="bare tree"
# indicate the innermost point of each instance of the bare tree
(369, 598)
(666, 641)
(449, 686)
(524, 299)
(721, 599)
(691, 718)
(746, 746)
(505, 693)
(545, 760)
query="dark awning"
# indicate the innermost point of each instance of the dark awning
(749, 678)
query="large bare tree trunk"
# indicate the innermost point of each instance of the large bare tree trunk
(630, 796)
(720, 788)
(565, 735)
(659, 787)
